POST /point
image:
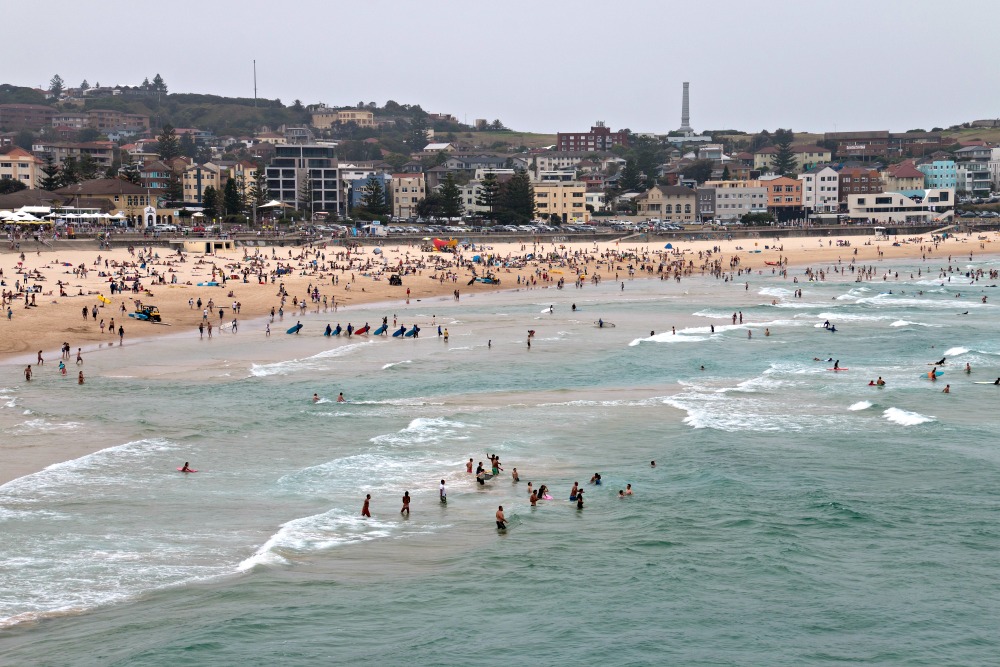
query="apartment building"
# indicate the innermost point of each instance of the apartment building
(19, 165)
(858, 181)
(806, 157)
(324, 119)
(974, 178)
(17, 117)
(902, 177)
(932, 204)
(295, 165)
(731, 200)
(407, 191)
(939, 174)
(101, 152)
(784, 196)
(197, 178)
(107, 120)
(600, 138)
(562, 201)
(670, 203)
(820, 190)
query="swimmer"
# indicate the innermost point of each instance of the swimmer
(514, 476)
(621, 493)
(315, 398)
(947, 389)
(628, 489)
(340, 398)
(871, 383)
(880, 382)
(652, 464)
(968, 367)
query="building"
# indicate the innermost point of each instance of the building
(116, 195)
(902, 177)
(439, 148)
(806, 157)
(974, 178)
(600, 138)
(324, 119)
(939, 174)
(470, 163)
(554, 161)
(974, 154)
(706, 203)
(298, 169)
(77, 120)
(784, 197)
(596, 199)
(670, 203)
(820, 190)
(862, 146)
(858, 181)
(731, 200)
(101, 152)
(155, 176)
(357, 187)
(109, 120)
(407, 191)
(929, 205)
(17, 117)
(199, 177)
(562, 201)
(19, 165)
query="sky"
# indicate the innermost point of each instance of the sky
(543, 66)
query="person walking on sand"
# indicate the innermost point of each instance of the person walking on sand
(406, 503)
(501, 519)
(365, 511)
(40, 360)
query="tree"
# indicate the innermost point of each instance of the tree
(497, 126)
(760, 140)
(416, 138)
(784, 159)
(167, 145)
(451, 197)
(210, 202)
(70, 172)
(50, 179)
(8, 185)
(84, 85)
(88, 167)
(373, 197)
(489, 189)
(88, 134)
(187, 146)
(699, 170)
(631, 178)
(24, 139)
(259, 193)
(725, 173)
(175, 189)
(517, 196)
(130, 172)
(158, 84)
(231, 198)
(56, 86)
(431, 206)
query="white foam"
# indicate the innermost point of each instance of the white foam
(396, 363)
(955, 351)
(779, 292)
(313, 362)
(906, 418)
(860, 405)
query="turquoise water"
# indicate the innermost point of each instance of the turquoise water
(795, 515)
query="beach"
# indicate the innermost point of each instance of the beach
(794, 515)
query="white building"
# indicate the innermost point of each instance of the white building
(820, 190)
(597, 201)
(734, 199)
(471, 192)
(935, 204)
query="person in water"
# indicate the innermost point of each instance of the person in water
(940, 363)
(442, 493)
(880, 382)
(365, 511)
(947, 389)
(406, 503)
(186, 467)
(600, 323)
(501, 520)
(871, 383)
(836, 365)
(340, 398)
(315, 398)
(968, 367)
(514, 476)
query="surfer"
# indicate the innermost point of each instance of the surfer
(600, 323)
(186, 467)
(940, 363)
(826, 325)
(501, 520)
(997, 382)
(836, 365)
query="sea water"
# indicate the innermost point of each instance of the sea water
(794, 516)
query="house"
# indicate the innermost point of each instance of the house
(19, 165)
(155, 175)
(858, 181)
(562, 201)
(671, 203)
(929, 205)
(407, 191)
(806, 157)
(980, 153)
(821, 190)
(731, 199)
(470, 163)
(903, 177)
(438, 148)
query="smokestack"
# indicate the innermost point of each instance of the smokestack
(686, 112)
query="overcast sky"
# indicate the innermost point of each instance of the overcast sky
(543, 66)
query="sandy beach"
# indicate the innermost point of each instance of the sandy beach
(361, 277)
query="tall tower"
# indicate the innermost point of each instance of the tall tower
(685, 113)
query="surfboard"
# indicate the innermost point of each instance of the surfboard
(380, 330)
(397, 334)
(993, 383)
(838, 369)
(607, 325)
(188, 470)
(103, 299)
(209, 284)
(411, 333)
(294, 329)
(937, 375)
(362, 330)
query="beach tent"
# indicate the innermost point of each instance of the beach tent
(669, 246)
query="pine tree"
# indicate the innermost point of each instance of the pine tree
(84, 85)
(210, 201)
(231, 198)
(70, 173)
(145, 84)
(725, 173)
(259, 193)
(489, 189)
(373, 198)
(56, 86)
(50, 180)
(175, 189)
(517, 196)
(631, 178)
(451, 197)
(158, 84)
(784, 159)
(417, 137)
(167, 145)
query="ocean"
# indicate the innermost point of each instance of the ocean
(795, 516)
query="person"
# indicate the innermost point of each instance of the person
(940, 363)
(62, 367)
(880, 382)
(442, 493)
(534, 499)
(406, 503)
(621, 493)
(446, 335)
(530, 491)
(121, 335)
(40, 360)
(79, 356)
(600, 323)
(628, 489)
(968, 367)
(514, 476)
(947, 389)
(27, 373)
(267, 330)
(315, 398)
(501, 520)
(836, 365)
(481, 474)
(340, 398)
(468, 466)
(186, 467)
(574, 307)
(871, 383)
(932, 374)
(543, 493)
(652, 464)
(579, 500)
(365, 511)
(593, 479)
(573, 492)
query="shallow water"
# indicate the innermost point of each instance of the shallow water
(795, 516)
